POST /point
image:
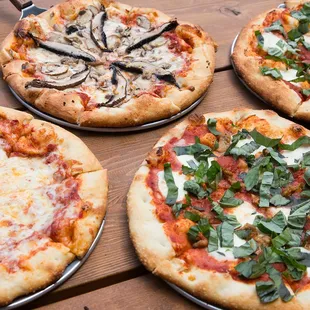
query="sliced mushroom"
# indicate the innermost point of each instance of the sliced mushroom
(93, 9)
(71, 28)
(65, 49)
(158, 42)
(152, 35)
(97, 33)
(75, 80)
(143, 22)
(120, 92)
(147, 70)
(54, 69)
(84, 17)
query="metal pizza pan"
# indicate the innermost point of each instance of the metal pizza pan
(69, 271)
(146, 126)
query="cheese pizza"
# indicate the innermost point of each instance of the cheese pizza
(220, 207)
(53, 194)
(107, 64)
(272, 55)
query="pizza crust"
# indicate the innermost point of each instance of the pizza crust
(274, 92)
(146, 108)
(155, 250)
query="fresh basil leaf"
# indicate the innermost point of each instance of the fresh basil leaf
(212, 126)
(298, 214)
(246, 249)
(260, 38)
(299, 16)
(196, 149)
(243, 233)
(266, 291)
(274, 225)
(276, 276)
(229, 218)
(276, 156)
(306, 92)
(294, 34)
(305, 194)
(214, 174)
(273, 72)
(172, 195)
(245, 268)
(307, 176)
(187, 170)
(201, 172)
(279, 219)
(279, 200)
(295, 238)
(192, 216)
(263, 140)
(212, 240)
(295, 145)
(229, 201)
(282, 239)
(177, 208)
(244, 150)
(281, 177)
(226, 235)
(289, 259)
(305, 158)
(264, 190)
(274, 51)
(202, 226)
(303, 27)
(306, 9)
(193, 233)
(276, 26)
(241, 135)
(194, 188)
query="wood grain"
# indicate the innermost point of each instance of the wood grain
(145, 292)
(122, 154)
(223, 19)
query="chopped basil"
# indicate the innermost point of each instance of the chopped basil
(298, 214)
(305, 194)
(277, 157)
(306, 92)
(187, 170)
(226, 234)
(294, 34)
(260, 38)
(192, 216)
(273, 72)
(214, 174)
(201, 172)
(264, 190)
(273, 225)
(246, 249)
(303, 27)
(306, 9)
(266, 291)
(244, 150)
(243, 233)
(274, 51)
(172, 195)
(252, 177)
(263, 140)
(177, 208)
(245, 268)
(194, 188)
(279, 200)
(307, 176)
(228, 200)
(212, 240)
(281, 177)
(241, 135)
(305, 159)
(212, 126)
(202, 226)
(276, 26)
(196, 149)
(282, 239)
(299, 16)
(295, 145)
(229, 218)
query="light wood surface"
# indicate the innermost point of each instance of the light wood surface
(146, 292)
(112, 275)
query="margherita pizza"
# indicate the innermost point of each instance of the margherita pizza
(220, 207)
(272, 55)
(107, 64)
(53, 194)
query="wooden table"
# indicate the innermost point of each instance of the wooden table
(113, 277)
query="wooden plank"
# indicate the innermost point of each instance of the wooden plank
(223, 19)
(146, 292)
(122, 154)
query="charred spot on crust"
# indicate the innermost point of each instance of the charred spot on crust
(196, 119)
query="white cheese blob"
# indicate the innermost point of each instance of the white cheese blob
(179, 180)
(184, 159)
(271, 41)
(307, 39)
(292, 157)
(289, 75)
(245, 213)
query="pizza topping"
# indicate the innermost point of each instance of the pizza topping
(73, 81)
(152, 35)
(97, 32)
(54, 69)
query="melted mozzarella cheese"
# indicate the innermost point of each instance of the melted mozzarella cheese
(289, 75)
(245, 213)
(223, 253)
(184, 159)
(179, 180)
(271, 41)
(248, 140)
(292, 157)
(307, 39)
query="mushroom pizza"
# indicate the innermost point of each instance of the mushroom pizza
(100, 63)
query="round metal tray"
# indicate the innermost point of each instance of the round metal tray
(61, 122)
(69, 271)
(280, 6)
(192, 298)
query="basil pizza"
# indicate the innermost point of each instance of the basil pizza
(107, 64)
(272, 55)
(220, 207)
